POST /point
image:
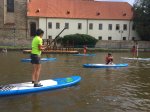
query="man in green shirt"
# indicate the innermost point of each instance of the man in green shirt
(37, 47)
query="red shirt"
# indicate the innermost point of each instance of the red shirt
(133, 49)
(109, 59)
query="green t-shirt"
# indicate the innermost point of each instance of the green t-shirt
(35, 43)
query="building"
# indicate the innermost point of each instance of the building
(13, 19)
(102, 20)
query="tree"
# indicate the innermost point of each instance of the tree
(142, 18)
(78, 40)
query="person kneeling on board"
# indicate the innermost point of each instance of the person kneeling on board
(37, 47)
(109, 59)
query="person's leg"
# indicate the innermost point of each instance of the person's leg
(38, 70)
(33, 73)
(35, 60)
(37, 75)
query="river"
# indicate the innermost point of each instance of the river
(100, 90)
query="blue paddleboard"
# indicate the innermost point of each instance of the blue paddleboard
(84, 54)
(27, 87)
(42, 59)
(104, 65)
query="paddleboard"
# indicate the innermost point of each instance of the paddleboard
(27, 87)
(42, 59)
(84, 54)
(140, 59)
(104, 65)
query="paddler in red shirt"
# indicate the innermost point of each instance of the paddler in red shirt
(109, 59)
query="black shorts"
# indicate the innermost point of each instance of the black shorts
(35, 59)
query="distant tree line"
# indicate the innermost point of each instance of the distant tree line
(142, 18)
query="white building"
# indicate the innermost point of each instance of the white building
(102, 20)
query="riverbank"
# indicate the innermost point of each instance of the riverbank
(14, 48)
(21, 48)
(101, 45)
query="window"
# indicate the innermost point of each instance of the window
(133, 38)
(91, 26)
(100, 38)
(124, 38)
(125, 27)
(100, 26)
(32, 28)
(117, 27)
(110, 27)
(109, 38)
(50, 25)
(67, 25)
(133, 27)
(10, 5)
(50, 37)
(57, 25)
(79, 26)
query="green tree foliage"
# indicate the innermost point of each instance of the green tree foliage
(142, 18)
(78, 40)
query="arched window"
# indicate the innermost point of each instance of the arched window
(32, 28)
(10, 5)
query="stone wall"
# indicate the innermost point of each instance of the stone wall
(15, 42)
(121, 44)
(16, 25)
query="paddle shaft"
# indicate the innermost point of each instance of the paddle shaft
(58, 35)
(137, 52)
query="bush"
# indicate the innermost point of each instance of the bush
(78, 40)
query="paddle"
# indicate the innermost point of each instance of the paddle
(137, 50)
(55, 39)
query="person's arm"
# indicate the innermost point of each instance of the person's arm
(106, 60)
(41, 47)
(111, 58)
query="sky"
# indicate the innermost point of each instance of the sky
(129, 1)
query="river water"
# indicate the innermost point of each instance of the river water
(100, 90)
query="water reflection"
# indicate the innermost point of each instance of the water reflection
(36, 103)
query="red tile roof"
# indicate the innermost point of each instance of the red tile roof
(83, 9)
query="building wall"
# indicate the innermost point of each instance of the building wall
(29, 21)
(95, 32)
(43, 24)
(122, 44)
(13, 24)
(17, 25)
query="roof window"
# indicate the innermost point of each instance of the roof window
(98, 13)
(38, 10)
(68, 12)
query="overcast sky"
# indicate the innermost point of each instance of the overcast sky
(129, 1)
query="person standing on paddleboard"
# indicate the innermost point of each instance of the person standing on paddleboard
(37, 47)
(134, 50)
(109, 59)
(84, 49)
